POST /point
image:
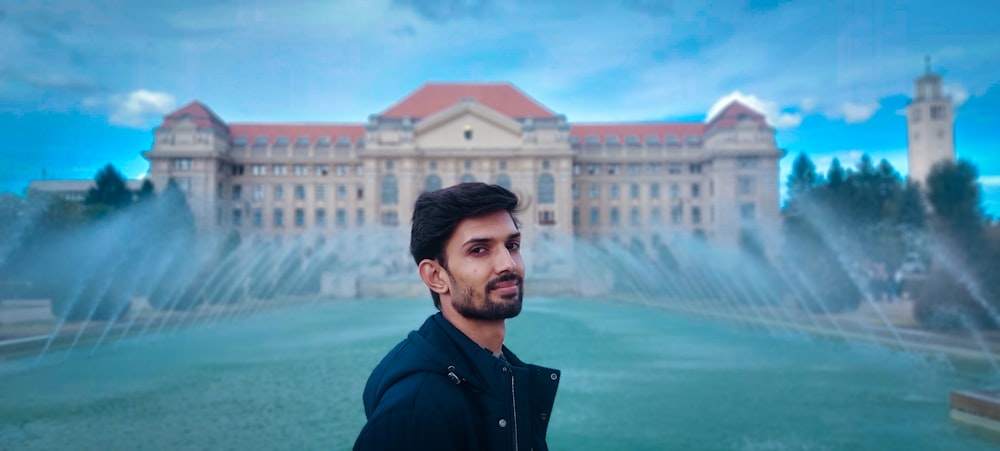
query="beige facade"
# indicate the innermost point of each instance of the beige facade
(930, 124)
(597, 179)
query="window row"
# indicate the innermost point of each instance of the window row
(300, 141)
(634, 191)
(301, 169)
(259, 192)
(634, 140)
(748, 212)
(636, 168)
(390, 186)
(277, 218)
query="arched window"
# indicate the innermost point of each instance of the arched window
(390, 190)
(468, 178)
(546, 189)
(433, 183)
(504, 181)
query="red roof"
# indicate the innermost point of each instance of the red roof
(294, 131)
(637, 129)
(733, 113)
(433, 97)
(198, 112)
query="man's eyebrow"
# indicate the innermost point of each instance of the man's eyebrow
(515, 235)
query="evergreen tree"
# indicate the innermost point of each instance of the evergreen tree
(109, 192)
(146, 191)
(802, 179)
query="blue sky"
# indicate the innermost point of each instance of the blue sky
(83, 82)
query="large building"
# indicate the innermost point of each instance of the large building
(930, 124)
(588, 179)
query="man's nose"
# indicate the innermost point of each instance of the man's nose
(505, 261)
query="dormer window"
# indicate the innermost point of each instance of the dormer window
(673, 140)
(612, 140)
(260, 141)
(343, 141)
(592, 141)
(652, 140)
(323, 141)
(281, 141)
(240, 141)
(692, 140)
(302, 141)
(632, 140)
(574, 140)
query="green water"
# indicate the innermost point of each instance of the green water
(633, 379)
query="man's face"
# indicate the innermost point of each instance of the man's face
(485, 269)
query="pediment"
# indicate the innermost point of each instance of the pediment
(468, 125)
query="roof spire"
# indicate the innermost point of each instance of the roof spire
(927, 64)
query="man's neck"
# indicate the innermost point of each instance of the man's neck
(488, 334)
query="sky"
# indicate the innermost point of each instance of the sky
(84, 82)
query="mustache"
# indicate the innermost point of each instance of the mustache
(504, 278)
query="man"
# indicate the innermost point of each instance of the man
(452, 384)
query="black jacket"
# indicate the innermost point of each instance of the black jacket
(439, 390)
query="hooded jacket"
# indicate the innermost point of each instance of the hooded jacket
(439, 390)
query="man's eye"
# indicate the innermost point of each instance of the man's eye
(477, 250)
(513, 245)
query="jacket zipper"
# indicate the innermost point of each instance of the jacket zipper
(513, 400)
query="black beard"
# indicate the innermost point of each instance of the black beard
(490, 310)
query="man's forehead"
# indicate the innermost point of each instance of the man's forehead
(496, 225)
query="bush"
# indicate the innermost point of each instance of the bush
(942, 303)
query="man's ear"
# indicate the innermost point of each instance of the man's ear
(433, 275)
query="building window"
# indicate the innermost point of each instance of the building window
(302, 141)
(676, 214)
(258, 169)
(237, 217)
(576, 168)
(614, 169)
(746, 162)
(341, 192)
(692, 140)
(390, 190)
(592, 141)
(546, 189)
(546, 217)
(595, 191)
(632, 140)
(237, 192)
(748, 211)
(575, 191)
(432, 165)
(937, 112)
(613, 191)
(342, 169)
(654, 191)
(655, 168)
(389, 165)
(320, 192)
(279, 217)
(280, 169)
(674, 168)
(615, 217)
(258, 218)
(655, 217)
(468, 178)
(432, 183)
(593, 169)
(281, 142)
(467, 164)
(673, 141)
(502, 165)
(576, 216)
(636, 218)
(545, 165)
(390, 218)
(260, 141)
(323, 141)
(237, 169)
(361, 192)
(343, 142)
(361, 217)
(634, 190)
(240, 141)
(300, 169)
(320, 217)
(182, 164)
(322, 169)
(359, 169)
(695, 190)
(696, 215)
(504, 181)
(279, 192)
(300, 217)
(652, 140)
(675, 191)
(634, 169)
(694, 168)
(341, 218)
(745, 185)
(595, 216)
(612, 140)
(300, 192)
(258, 192)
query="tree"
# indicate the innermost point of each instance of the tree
(954, 195)
(109, 193)
(802, 179)
(146, 192)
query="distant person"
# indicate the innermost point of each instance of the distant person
(452, 384)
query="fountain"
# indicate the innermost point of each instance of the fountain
(665, 341)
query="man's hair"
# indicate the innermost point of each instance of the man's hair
(437, 213)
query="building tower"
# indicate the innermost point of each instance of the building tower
(930, 123)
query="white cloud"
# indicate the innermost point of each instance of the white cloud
(808, 105)
(855, 112)
(959, 94)
(990, 180)
(136, 109)
(769, 109)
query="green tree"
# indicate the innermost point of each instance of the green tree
(146, 192)
(109, 192)
(802, 179)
